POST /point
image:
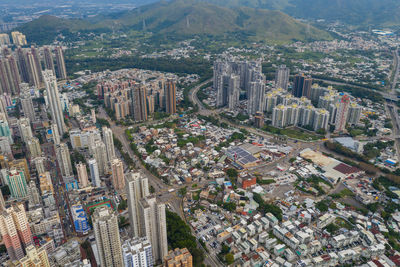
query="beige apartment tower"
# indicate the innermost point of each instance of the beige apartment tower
(137, 187)
(106, 232)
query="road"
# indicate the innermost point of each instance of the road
(391, 108)
(162, 190)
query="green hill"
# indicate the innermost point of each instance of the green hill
(183, 18)
(355, 12)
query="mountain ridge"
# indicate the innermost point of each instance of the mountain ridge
(184, 18)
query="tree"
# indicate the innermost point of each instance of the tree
(122, 205)
(152, 190)
(182, 191)
(229, 206)
(179, 236)
(5, 190)
(232, 173)
(229, 258)
(322, 206)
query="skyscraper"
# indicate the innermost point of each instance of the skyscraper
(40, 164)
(170, 93)
(33, 145)
(138, 103)
(22, 65)
(25, 130)
(137, 252)
(18, 38)
(55, 134)
(15, 231)
(4, 128)
(26, 102)
(33, 72)
(233, 91)
(282, 77)
(109, 142)
(33, 195)
(48, 59)
(9, 75)
(117, 169)
(2, 202)
(106, 232)
(54, 100)
(354, 114)
(153, 226)
(137, 187)
(341, 116)
(82, 175)
(302, 86)
(99, 152)
(94, 172)
(61, 70)
(256, 98)
(16, 181)
(36, 58)
(64, 159)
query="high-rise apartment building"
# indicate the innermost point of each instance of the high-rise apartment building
(64, 159)
(22, 64)
(16, 182)
(170, 97)
(232, 77)
(302, 86)
(82, 175)
(48, 59)
(354, 114)
(94, 172)
(33, 195)
(9, 75)
(117, 169)
(4, 128)
(341, 116)
(15, 231)
(54, 100)
(137, 187)
(137, 252)
(33, 145)
(282, 77)
(35, 54)
(154, 226)
(55, 134)
(138, 103)
(25, 130)
(180, 257)
(2, 202)
(40, 164)
(106, 232)
(99, 152)
(4, 39)
(61, 70)
(33, 71)
(256, 98)
(26, 102)
(109, 142)
(35, 257)
(18, 38)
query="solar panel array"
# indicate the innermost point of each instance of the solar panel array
(243, 156)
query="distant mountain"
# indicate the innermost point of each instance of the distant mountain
(184, 18)
(355, 12)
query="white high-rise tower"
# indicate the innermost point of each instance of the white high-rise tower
(54, 100)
